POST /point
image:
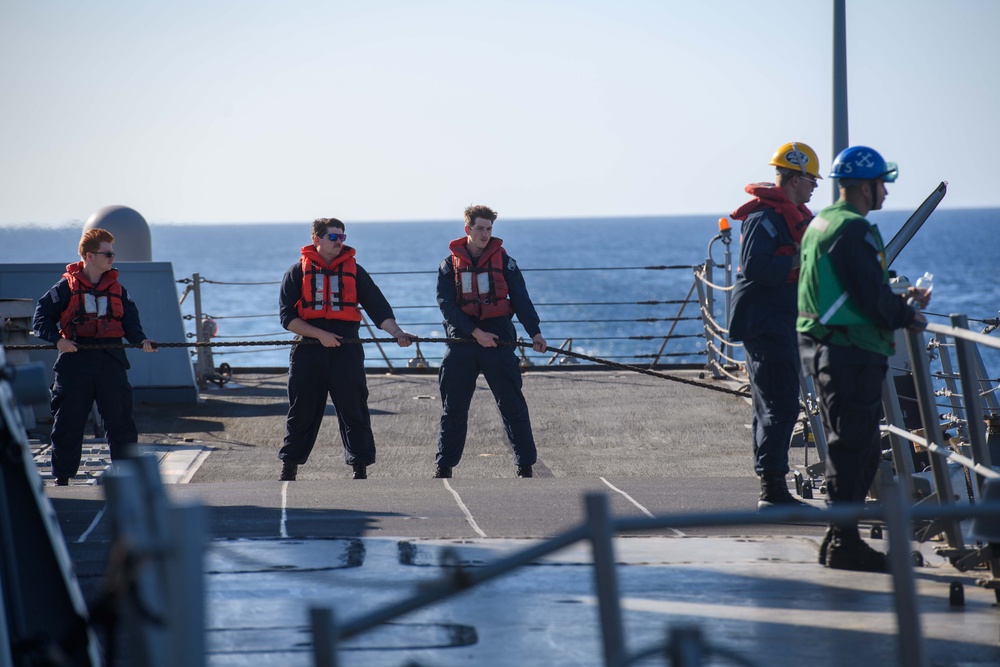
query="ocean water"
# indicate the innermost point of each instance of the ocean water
(584, 275)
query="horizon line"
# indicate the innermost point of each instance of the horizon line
(79, 222)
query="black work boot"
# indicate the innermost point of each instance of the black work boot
(442, 472)
(288, 470)
(774, 492)
(525, 471)
(825, 545)
(360, 471)
(847, 551)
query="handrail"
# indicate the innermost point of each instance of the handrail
(722, 288)
(562, 325)
(600, 527)
(946, 453)
(964, 334)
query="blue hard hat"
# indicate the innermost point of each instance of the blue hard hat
(863, 163)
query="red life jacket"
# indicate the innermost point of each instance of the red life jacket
(92, 312)
(481, 291)
(797, 218)
(329, 291)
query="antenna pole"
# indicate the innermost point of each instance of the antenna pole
(840, 140)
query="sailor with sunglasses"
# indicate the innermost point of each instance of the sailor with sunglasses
(88, 306)
(321, 296)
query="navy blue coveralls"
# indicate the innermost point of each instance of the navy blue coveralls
(763, 311)
(315, 371)
(849, 379)
(86, 376)
(463, 362)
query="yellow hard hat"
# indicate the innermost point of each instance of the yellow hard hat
(798, 156)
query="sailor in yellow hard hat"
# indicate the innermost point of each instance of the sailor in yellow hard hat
(797, 157)
(763, 309)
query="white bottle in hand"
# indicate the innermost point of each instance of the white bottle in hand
(924, 282)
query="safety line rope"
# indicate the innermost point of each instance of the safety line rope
(415, 339)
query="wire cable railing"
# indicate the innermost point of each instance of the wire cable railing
(599, 330)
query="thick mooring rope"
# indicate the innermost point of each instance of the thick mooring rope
(415, 339)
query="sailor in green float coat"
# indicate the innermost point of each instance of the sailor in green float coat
(847, 315)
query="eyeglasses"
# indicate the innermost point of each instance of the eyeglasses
(109, 255)
(809, 177)
(338, 237)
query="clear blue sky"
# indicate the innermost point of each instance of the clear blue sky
(255, 110)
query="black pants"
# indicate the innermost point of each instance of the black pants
(73, 396)
(314, 372)
(460, 368)
(850, 401)
(773, 367)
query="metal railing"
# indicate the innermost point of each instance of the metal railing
(145, 529)
(935, 514)
(715, 333)
(559, 319)
(599, 529)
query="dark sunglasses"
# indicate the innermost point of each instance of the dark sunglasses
(109, 255)
(338, 237)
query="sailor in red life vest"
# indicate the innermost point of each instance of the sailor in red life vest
(479, 289)
(764, 308)
(89, 306)
(320, 299)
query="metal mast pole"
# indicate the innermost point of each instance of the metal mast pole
(840, 140)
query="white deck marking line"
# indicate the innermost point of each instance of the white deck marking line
(465, 510)
(193, 468)
(93, 524)
(633, 501)
(283, 533)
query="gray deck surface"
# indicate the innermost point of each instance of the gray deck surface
(651, 445)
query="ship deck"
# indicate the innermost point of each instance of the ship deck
(652, 446)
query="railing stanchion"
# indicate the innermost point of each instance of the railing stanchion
(704, 300)
(948, 376)
(686, 646)
(324, 635)
(902, 449)
(606, 578)
(969, 375)
(726, 237)
(897, 519)
(200, 370)
(943, 490)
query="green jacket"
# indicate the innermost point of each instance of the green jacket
(826, 312)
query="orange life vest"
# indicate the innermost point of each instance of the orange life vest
(329, 291)
(796, 217)
(481, 291)
(93, 311)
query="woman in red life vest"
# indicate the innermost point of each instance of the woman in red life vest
(89, 306)
(479, 289)
(320, 299)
